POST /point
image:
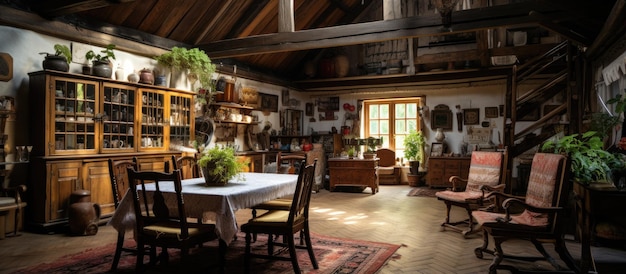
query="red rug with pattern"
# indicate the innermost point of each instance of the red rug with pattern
(334, 255)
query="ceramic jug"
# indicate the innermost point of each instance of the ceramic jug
(83, 214)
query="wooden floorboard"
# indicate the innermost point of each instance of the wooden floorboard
(390, 216)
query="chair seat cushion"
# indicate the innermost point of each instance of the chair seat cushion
(172, 229)
(386, 170)
(524, 222)
(277, 218)
(276, 204)
(459, 196)
(7, 201)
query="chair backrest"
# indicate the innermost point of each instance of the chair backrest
(548, 186)
(302, 196)
(486, 168)
(119, 178)
(291, 159)
(150, 205)
(188, 166)
(387, 157)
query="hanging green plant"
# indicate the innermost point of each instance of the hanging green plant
(195, 63)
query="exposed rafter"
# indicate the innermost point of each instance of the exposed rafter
(353, 34)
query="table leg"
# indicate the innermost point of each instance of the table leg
(223, 247)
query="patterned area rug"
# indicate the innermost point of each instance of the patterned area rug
(334, 255)
(423, 191)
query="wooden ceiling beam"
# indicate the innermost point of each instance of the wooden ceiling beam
(354, 34)
(52, 9)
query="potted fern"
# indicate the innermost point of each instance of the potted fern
(60, 60)
(193, 62)
(219, 164)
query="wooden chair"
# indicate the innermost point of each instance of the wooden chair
(286, 223)
(291, 159)
(119, 185)
(161, 224)
(188, 166)
(282, 203)
(387, 172)
(541, 217)
(485, 175)
(11, 200)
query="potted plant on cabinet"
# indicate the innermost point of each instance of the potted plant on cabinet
(102, 62)
(219, 164)
(60, 60)
(414, 149)
(371, 144)
(194, 62)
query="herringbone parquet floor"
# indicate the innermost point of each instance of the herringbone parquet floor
(389, 216)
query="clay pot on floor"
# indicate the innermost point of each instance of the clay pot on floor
(83, 214)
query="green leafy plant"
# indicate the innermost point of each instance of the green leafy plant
(602, 123)
(194, 61)
(105, 57)
(219, 164)
(413, 146)
(590, 162)
(61, 50)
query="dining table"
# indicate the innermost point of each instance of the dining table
(240, 192)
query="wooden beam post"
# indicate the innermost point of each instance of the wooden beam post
(286, 21)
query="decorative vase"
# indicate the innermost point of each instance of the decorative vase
(342, 65)
(161, 81)
(146, 77)
(55, 62)
(439, 136)
(83, 215)
(119, 74)
(102, 69)
(133, 77)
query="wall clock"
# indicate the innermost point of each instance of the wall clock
(471, 116)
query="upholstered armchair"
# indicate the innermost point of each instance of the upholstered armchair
(485, 175)
(387, 172)
(541, 219)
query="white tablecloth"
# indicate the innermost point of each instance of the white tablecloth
(256, 188)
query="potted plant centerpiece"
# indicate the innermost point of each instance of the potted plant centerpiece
(102, 61)
(219, 164)
(60, 60)
(192, 62)
(414, 149)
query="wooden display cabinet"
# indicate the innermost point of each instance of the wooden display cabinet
(440, 169)
(77, 122)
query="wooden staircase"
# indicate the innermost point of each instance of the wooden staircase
(550, 78)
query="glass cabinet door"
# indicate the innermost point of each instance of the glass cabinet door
(118, 125)
(74, 107)
(180, 120)
(152, 119)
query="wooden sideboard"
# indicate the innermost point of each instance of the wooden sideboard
(353, 172)
(441, 168)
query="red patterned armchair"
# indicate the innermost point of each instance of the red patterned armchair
(485, 175)
(541, 217)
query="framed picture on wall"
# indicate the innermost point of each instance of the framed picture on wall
(268, 102)
(308, 109)
(491, 112)
(441, 119)
(471, 116)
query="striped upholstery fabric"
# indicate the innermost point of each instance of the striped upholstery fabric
(485, 169)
